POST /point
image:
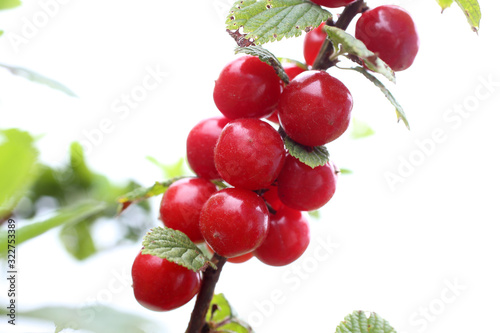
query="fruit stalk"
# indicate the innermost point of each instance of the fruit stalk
(323, 59)
(197, 323)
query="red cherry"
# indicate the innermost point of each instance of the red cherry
(249, 154)
(315, 108)
(272, 198)
(287, 239)
(312, 43)
(333, 3)
(181, 205)
(235, 260)
(303, 188)
(234, 222)
(292, 70)
(161, 285)
(390, 32)
(200, 146)
(247, 88)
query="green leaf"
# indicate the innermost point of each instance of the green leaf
(82, 174)
(8, 4)
(176, 169)
(67, 215)
(311, 156)
(18, 165)
(444, 4)
(357, 48)
(267, 57)
(35, 77)
(357, 322)
(360, 129)
(472, 11)
(270, 20)
(345, 171)
(399, 109)
(222, 317)
(175, 246)
(293, 61)
(144, 193)
(315, 214)
(77, 239)
(95, 318)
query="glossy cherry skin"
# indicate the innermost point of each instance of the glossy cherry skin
(303, 188)
(287, 238)
(271, 197)
(234, 222)
(181, 205)
(315, 108)
(312, 43)
(333, 3)
(249, 154)
(292, 70)
(200, 146)
(235, 260)
(390, 32)
(247, 88)
(161, 285)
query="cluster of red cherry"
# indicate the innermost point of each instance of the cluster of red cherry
(260, 213)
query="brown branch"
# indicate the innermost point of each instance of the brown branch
(198, 324)
(323, 59)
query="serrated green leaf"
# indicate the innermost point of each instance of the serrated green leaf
(8, 4)
(360, 129)
(82, 175)
(311, 156)
(357, 322)
(35, 77)
(357, 48)
(444, 4)
(399, 109)
(271, 20)
(175, 246)
(472, 11)
(144, 193)
(18, 165)
(267, 57)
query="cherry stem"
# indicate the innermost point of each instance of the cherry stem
(323, 59)
(198, 324)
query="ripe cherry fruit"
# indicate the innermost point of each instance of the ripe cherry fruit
(315, 108)
(200, 146)
(312, 43)
(249, 154)
(247, 88)
(181, 205)
(333, 3)
(303, 188)
(235, 260)
(390, 32)
(161, 285)
(291, 70)
(287, 239)
(234, 222)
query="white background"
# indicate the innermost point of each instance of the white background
(397, 249)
